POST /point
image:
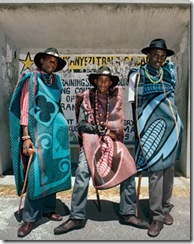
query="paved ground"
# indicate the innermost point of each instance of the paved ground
(100, 226)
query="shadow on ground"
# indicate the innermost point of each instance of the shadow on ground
(61, 208)
(109, 211)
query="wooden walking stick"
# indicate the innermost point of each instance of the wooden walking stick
(99, 203)
(138, 193)
(31, 151)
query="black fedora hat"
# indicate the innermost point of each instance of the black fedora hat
(158, 44)
(104, 70)
(50, 52)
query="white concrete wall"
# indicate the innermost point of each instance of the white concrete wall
(182, 99)
(8, 75)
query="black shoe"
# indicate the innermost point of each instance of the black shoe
(70, 224)
(25, 229)
(133, 221)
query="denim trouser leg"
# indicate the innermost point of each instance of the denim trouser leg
(33, 209)
(49, 203)
(80, 190)
(128, 196)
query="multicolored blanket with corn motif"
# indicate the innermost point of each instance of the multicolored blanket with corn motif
(157, 121)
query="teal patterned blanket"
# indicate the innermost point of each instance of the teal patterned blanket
(158, 124)
(50, 170)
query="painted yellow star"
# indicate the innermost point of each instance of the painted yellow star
(27, 62)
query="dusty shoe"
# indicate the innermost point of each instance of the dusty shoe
(25, 229)
(155, 228)
(168, 219)
(133, 221)
(53, 216)
(70, 224)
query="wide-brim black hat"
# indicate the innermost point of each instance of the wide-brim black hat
(50, 52)
(104, 70)
(158, 44)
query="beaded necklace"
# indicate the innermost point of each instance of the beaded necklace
(96, 111)
(47, 81)
(154, 79)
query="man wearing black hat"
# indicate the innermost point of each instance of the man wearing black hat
(158, 128)
(103, 156)
(37, 122)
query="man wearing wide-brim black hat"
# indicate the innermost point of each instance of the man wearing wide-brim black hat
(49, 53)
(158, 129)
(103, 155)
(37, 122)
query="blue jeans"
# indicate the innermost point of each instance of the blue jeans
(80, 192)
(33, 209)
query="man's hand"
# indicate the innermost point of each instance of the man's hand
(27, 144)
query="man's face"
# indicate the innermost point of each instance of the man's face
(156, 58)
(103, 82)
(49, 64)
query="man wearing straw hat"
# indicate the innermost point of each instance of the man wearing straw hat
(37, 122)
(158, 129)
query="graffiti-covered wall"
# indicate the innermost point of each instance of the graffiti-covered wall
(75, 80)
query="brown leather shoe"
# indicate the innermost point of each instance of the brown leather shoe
(133, 221)
(53, 216)
(25, 229)
(155, 228)
(70, 224)
(168, 219)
